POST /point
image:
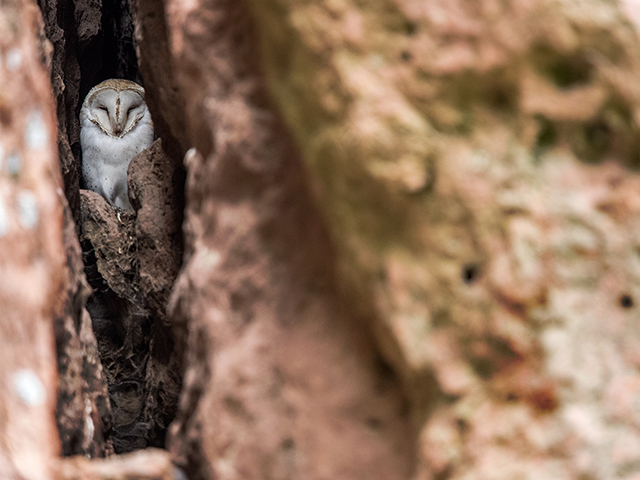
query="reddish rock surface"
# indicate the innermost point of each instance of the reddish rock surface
(33, 278)
(156, 189)
(83, 413)
(477, 165)
(280, 381)
(475, 171)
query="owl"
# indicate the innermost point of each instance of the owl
(115, 125)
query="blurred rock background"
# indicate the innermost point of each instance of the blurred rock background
(388, 239)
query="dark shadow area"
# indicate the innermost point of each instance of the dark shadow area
(111, 53)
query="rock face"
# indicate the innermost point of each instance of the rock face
(83, 412)
(33, 277)
(446, 187)
(477, 166)
(280, 382)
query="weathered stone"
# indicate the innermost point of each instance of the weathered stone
(33, 277)
(83, 412)
(477, 165)
(156, 189)
(279, 382)
(162, 94)
(112, 237)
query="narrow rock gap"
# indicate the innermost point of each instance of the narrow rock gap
(131, 259)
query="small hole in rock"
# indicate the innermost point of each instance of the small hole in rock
(470, 273)
(599, 135)
(564, 70)
(410, 28)
(462, 425)
(383, 368)
(547, 134)
(626, 301)
(500, 94)
(592, 141)
(484, 367)
(374, 423)
(632, 150)
(444, 474)
(406, 56)
(288, 444)
(633, 159)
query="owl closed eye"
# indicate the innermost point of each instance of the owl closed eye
(115, 125)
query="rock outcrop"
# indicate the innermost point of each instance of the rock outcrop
(33, 274)
(403, 242)
(477, 165)
(281, 380)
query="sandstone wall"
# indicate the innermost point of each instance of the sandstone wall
(410, 241)
(32, 254)
(476, 162)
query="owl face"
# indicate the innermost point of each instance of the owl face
(116, 111)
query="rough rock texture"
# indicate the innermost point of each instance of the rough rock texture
(477, 165)
(33, 277)
(80, 51)
(280, 382)
(156, 186)
(62, 59)
(162, 94)
(83, 412)
(133, 259)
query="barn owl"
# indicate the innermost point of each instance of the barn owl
(115, 126)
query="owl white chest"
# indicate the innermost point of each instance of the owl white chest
(105, 160)
(115, 125)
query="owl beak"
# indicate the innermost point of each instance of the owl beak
(118, 129)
